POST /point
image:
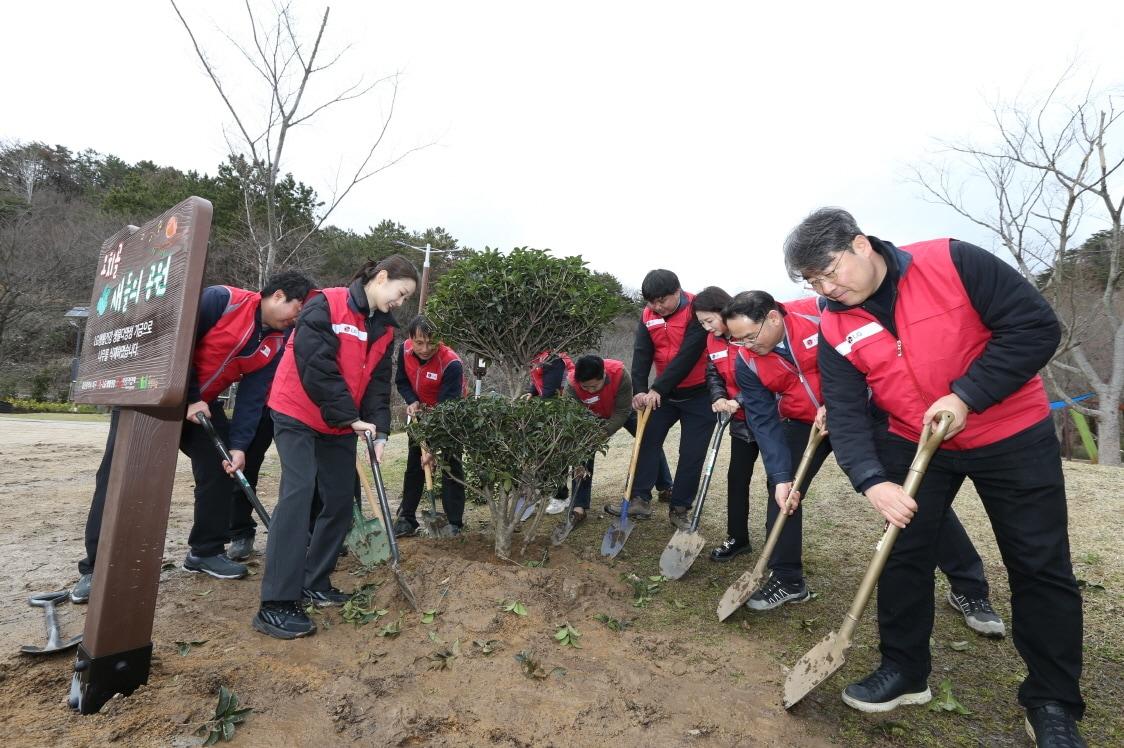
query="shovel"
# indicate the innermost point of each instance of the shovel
(825, 658)
(384, 511)
(247, 489)
(563, 530)
(622, 526)
(367, 537)
(436, 524)
(740, 591)
(55, 642)
(685, 545)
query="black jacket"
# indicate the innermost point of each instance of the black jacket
(1025, 334)
(667, 383)
(315, 348)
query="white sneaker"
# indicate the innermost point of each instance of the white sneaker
(556, 506)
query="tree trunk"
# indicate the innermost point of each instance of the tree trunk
(1108, 436)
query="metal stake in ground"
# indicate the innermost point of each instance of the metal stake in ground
(622, 526)
(685, 545)
(829, 655)
(55, 642)
(741, 590)
(384, 505)
(247, 489)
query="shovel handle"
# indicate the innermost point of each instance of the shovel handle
(931, 439)
(708, 468)
(641, 423)
(247, 489)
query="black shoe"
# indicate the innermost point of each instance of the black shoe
(680, 517)
(1051, 726)
(240, 549)
(325, 598)
(775, 593)
(284, 619)
(664, 495)
(885, 689)
(732, 547)
(404, 528)
(978, 615)
(80, 592)
(219, 567)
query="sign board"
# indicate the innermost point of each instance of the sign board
(136, 349)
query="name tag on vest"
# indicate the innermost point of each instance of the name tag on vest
(592, 400)
(351, 330)
(655, 322)
(867, 330)
(718, 355)
(812, 340)
(431, 375)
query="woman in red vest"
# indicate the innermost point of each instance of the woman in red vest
(333, 382)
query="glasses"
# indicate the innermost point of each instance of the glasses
(816, 283)
(749, 340)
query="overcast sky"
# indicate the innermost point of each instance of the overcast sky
(691, 136)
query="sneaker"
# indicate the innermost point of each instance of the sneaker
(283, 619)
(1051, 726)
(732, 547)
(775, 593)
(664, 495)
(885, 689)
(240, 549)
(218, 566)
(638, 508)
(978, 615)
(80, 592)
(556, 506)
(680, 517)
(324, 598)
(455, 530)
(404, 528)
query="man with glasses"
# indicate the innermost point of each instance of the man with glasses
(934, 326)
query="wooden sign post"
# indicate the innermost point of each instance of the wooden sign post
(136, 355)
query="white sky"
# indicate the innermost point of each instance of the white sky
(691, 136)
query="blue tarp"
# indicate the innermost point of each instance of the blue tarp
(1057, 404)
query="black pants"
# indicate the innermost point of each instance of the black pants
(696, 422)
(212, 490)
(787, 562)
(452, 491)
(311, 463)
(742, 456)
(584, 487)
(242, 524)
(1023, 492)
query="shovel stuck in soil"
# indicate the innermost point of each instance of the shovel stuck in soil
(741, 590)
(830, 654)
(685, 545)
(622, 526)
(435, 523)
(384, 510)
(247, 489)
(563, 530)
(367, 538)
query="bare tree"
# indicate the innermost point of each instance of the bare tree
(286, 66)
(23, 168)
(1050, 176)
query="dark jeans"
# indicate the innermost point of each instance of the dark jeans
(311, 463)
(584, 487)
(1023, 492)
(696, 422)
(743, 455)
(452, 492)
(242, 524)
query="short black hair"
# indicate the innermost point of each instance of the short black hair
(659, 283)
(588, 368)
(807, 250)
(421, 324)
(754, 305)
(711, 299)
(294, 283)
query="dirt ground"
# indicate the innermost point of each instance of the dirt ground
(674, 676)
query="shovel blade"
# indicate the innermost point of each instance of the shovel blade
(367, 539)
(740, 591)
(561, 532)
(528, 511)
(435, 525)
(681, 551)
(403, 585)
(616, 536)
(816, 666)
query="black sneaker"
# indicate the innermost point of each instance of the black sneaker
(732, 547)
(680, 517)
(637, 509)
(885, 689)
(978, 615)
(240, 549)
(80, 592)
(775, 593)
(664, 495)
(218, 566)
(404, 528)
(284, 619)
(325, 598)
(1051, 726)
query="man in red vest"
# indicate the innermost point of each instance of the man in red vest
(779, 379)
(672, 340)
(429, 372)
(549, 372)
(239, 338)
(944, 325)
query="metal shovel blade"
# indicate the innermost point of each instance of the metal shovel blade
(681, 551)
(817, 665)
(617, 534)
(367, 539)
(740, 591)
(403, 585)
(528, 510)
(436, 525)
(562, 531)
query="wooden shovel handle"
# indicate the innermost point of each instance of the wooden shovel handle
(641, 423)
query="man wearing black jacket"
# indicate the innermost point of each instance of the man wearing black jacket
(944, 325)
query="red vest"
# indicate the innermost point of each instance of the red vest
(720, 353)
(939, 336)
(357, 359)
(537, 365)
(797, 387)
(667, 336)
(600, 403)
(426, 378)
(216, 360)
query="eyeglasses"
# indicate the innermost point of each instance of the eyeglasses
(816, 283)
(748, 340)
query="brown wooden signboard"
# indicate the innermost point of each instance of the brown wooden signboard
(138, 346)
